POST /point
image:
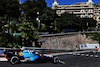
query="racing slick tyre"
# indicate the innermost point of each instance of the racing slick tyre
(56, 60)
(14, 60)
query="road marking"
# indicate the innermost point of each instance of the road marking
(91, 55)
(82, 54)
(96, 56)
(87, 54)
(78, 54)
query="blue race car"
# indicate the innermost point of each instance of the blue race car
(18, 56)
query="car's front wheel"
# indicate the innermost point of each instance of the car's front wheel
(14, 60)
(56, 60)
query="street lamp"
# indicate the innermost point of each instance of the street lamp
(38, 20)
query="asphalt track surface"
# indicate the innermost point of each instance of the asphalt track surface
(72, 60)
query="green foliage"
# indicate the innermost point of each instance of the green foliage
(13, 25)
(13, 5)
(7, 40)
(26, 24)
(91, 23)
(47, 17)
(68, 21)
(71, 21)
(94, 36)
(1, 24)
(8, 8)
(30, 8)
(28, 32)
(43, 28)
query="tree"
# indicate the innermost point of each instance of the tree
(68, 21)
(27, 24)
(47, 17)
(8, 40)
(94, 36)
(28, 33)
(9, 9)
(11, 6)
(1, 24)
(71, 21)
(13, 25)
(30, 8)
(88, 23)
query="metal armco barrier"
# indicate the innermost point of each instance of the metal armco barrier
(43, 50)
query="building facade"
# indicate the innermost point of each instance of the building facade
(83, 9)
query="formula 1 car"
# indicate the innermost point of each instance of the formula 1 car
(15, 57)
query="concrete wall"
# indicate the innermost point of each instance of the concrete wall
(65, 42)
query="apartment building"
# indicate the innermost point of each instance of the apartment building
(83, 9)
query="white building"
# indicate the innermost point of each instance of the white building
(83, 9)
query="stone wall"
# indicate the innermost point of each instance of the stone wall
(65, 42)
